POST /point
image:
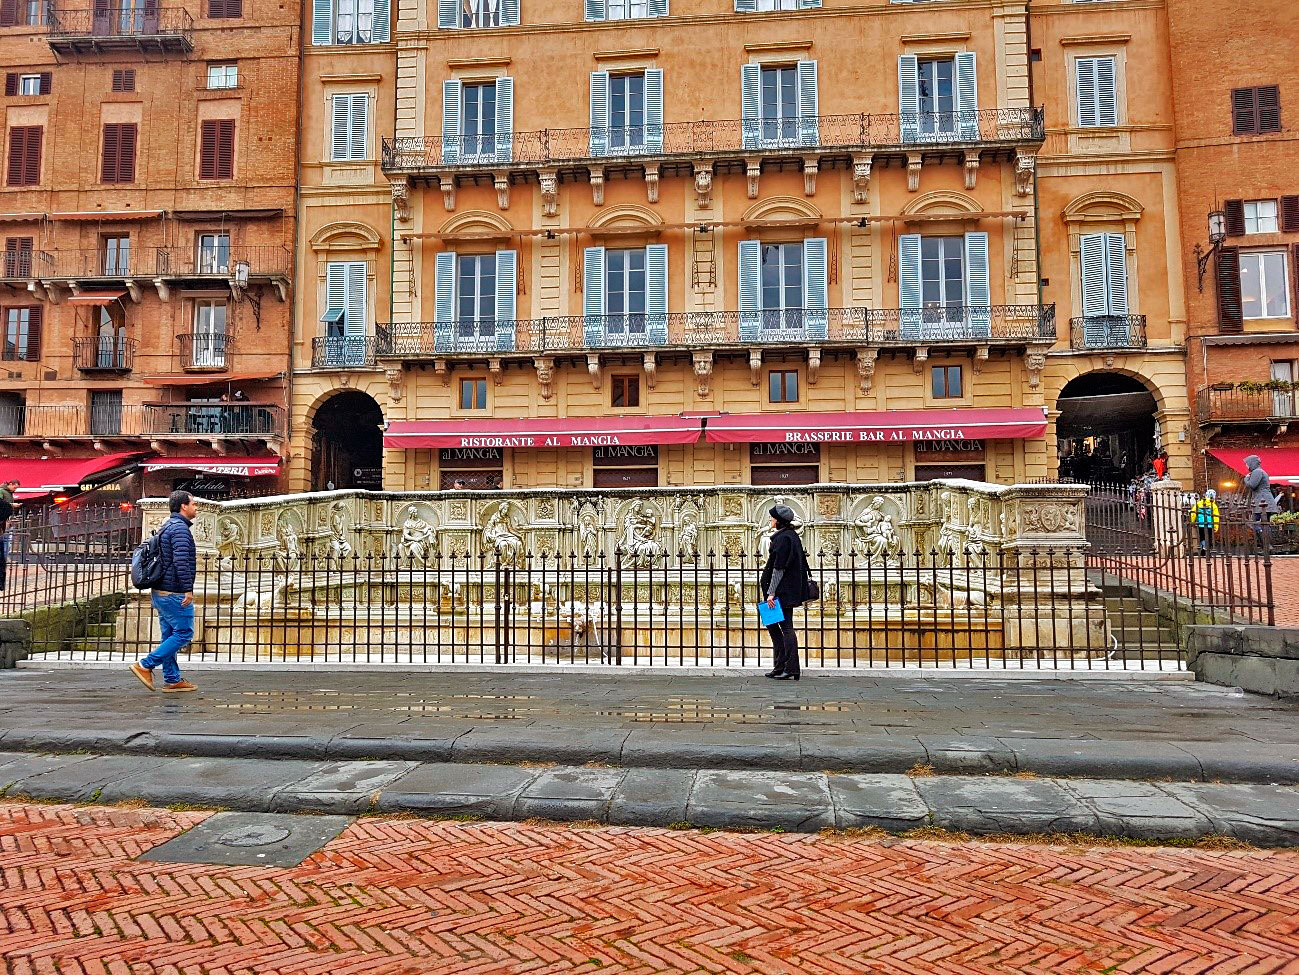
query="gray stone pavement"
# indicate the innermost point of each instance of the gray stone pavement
(725, 799)
(1120, 728)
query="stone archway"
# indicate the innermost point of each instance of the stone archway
(1106, 430)
(347, 442)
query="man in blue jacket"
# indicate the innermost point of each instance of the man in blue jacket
(174, 598)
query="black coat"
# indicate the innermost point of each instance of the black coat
(787, 553)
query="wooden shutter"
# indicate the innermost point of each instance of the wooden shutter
(24, 155)
(815, 288)
(216, 8)
(1244, 111)
(910, 289)
(909, 97)
(451, 91)
(381, 22)
(809, 122)
(47, 82)
(1290, 214)
(8, 13)
(322, 22)
(599, 115)
(653, 109)
(225, 153)
(11, 84)
(507, 289)
(1269, 108)
(32, 163)
(124, 79)
(750, 282)
(108, 167)
(1235, 211)
(978, 285)
(1227, 270)
(751, 104)
(18, 257)
(504, 119)
(593, 295)
(126, 163)
(449, 14)
(34, 321)
(967, 96)
(656, 293)
(119, 153)
(207, 149)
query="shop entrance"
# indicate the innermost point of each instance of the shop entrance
(1106, 432)
(347, 443)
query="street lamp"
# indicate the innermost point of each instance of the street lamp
(241, 275)
(1217, 234)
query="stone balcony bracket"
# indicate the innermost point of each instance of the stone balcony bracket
(502, 183)
(652, 182)
(866, 367)
(813, 365)
(593, 367)
(810, 164)
(755, 366)
(921, 357)
(597, 186)
(971, 168)
(651, 369)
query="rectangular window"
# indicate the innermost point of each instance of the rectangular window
(353, 21)
(945, 382)
(22, 336)
(480, 13)
(25, 155)
(1260, 217)
(628, 9)
(1283, 400)
(625, 466)
(22, 13)
(225, 8)
(124, 79)
(117, 256)
(764, 5)
(213, 253)
(779, 103)
(106, 412)
(349, 132)
(473, 394)
(626, 112)
(1097, 93)
(476, 296)
(478, 120)
(346, 308)
(216, 155)
(119, 153)
(1256, 111)
(937, 89)
(471, 468)
(223, 75)
(781, 286)
(782, 385)
(624, 284)
(942, 272)
(1264, 289)
(624, 391)
(208, 349)
(18, 257)
(31, 84)
(784, 463)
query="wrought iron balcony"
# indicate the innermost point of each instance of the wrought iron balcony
(21, 265)
(343, 352)
(88, 263)
(1107, 332)
(109, 29)
(1225, 405)
(422, 155)
(263, 261)
(216, 420)
(104, 354)
(206, 352)
(870, 327)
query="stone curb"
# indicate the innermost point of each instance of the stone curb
(1265, 815)
(1189, 761)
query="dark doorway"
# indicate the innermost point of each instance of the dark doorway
(1106, 429)
(347, 443)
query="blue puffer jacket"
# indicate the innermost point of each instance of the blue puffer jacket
(178, 557)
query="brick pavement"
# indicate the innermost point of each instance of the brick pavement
(409, 897)
(1285, 584)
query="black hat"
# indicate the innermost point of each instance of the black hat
(783, 513)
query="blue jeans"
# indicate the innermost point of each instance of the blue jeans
(177, 631)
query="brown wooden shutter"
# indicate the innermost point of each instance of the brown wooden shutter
(216, 8)
(18, 257)
(8, 13)
(1244, 111)
(17, 153)
(1269, 109)
(207, 150)
(108, 171)
(234, 8)
(24, 155)
(1227, 270)
(34, 321)
(1290, 214)
(1235, 211)
(1294, 279)
(47, 82)
(124, 79)
(11, 84)
(225, 156)
(126, 159)
(32, 167)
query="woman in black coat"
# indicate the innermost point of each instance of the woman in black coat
(785, 578)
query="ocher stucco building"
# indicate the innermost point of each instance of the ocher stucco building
(632, 243)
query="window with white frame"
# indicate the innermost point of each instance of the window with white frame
(209, 340)
(471, 14)
(475, 299)
(1264, 284)
(783, 287)
(628, 9)
(624, 291)
(475, 295)
(780, 104)
(782, 291)
(1096, 91)
(478, 120)
(223, 75)
(938, 98)
(29, 84)
(944, 285)
(349, 127)
(758, 6)
(937, 93)
(625, 9)
(344, 317)
(214, 253)
(1260, 217)
(353, 21)
(626, 112)
(624, 299)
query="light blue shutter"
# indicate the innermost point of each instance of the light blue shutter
(358, 142)
(653, 109)
(750, 290)
(354, 316)
(978, 293)
(597, 9)
(507, 288)
(593, 296)
(1107, 104)
(808, 4)
(450, 121)
(599, 113)
(1116, 268)
(1095, 290)
(809, 124)
(746, 6)
(909, 97)
(504, 119)
(909, 290)
(448, 14)
(967, 97)
(751, 103)
(335, 299)
(658, 8)
(322, 22)
(444, 301)
(656, 293)
(815, 291)
(339, 148)
(510, 13)
(381, 26)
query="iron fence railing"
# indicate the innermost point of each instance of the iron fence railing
(978, 325)
(413, 154)
(104, 354)
(1229, 404)
(222, 261)
(343, 351)
(206, 351)
(91, 262)
(23, 265)
(200, 420)
(142, 20)
(1107, 332)
(252, 420)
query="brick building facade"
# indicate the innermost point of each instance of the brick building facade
(148, 230)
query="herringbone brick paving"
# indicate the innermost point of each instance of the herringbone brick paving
(409, 897)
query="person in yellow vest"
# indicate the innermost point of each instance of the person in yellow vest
(1205, 517)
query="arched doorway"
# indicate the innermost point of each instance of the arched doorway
(347, 443)
(1106, 432)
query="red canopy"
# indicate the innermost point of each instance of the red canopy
(38, 477)
(224, 466)
(602, 431)
(1281, 463)
(894, 426)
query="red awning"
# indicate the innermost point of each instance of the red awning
(39, 477)
(605, 431)
(184, 379)
(224, 466)
(1281, 463)
(895, 426)
(95, 297)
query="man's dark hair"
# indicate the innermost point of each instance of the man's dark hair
(13, 480)
(177, 499)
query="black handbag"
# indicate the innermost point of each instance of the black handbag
(813, 590)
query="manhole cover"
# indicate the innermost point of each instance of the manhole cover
(261, 835)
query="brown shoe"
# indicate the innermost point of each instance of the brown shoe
(146, 676)
(176, 688)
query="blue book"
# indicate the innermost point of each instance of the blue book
(768, 616)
